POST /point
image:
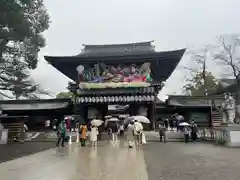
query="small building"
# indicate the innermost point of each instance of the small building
(200, 108)
(37, 111)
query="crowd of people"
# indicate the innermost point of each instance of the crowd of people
(189, 130)
(88, 132)
(133, 130)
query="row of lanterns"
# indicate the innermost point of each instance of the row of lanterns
(115, 99)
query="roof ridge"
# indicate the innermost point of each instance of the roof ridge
(118, 44)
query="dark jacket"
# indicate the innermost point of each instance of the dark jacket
(113, 127)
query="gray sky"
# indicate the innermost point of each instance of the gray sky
(172, 24)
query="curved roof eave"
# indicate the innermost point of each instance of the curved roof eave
(162, 54)
(166, 62)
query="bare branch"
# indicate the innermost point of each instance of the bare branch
(227, 53)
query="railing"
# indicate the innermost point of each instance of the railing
(207, 134)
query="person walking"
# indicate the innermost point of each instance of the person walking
(194, 130)
(179, 119)
(114, 129)
(171, 123)
(1, 130)
(62, 129)
(121, 130)
(166, 123)
(130, 134)
(93, 136)
(162, 133)
(138, 130)
(83, 134)
(186, 134)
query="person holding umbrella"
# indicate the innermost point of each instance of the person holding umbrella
(138, 130)
(93, 136)
(130, 134)
(95, 123)
(194, 131)
(113, 128)
(186, 131)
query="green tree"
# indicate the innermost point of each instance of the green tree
(227, 55)
(22, 23)
(196, 86)
(67, 94)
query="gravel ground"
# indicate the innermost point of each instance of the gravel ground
(16, 150)
(179, 161)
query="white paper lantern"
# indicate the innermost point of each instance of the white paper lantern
(112, 99)
(81, 99)
(93, 99)
(97, 99)
(105, 99)
(136, 98)
(148, 98)
(131, 98)
(140, 98)
(116, 99)
(89, 99)
(101, 99)
(86, 99)
(120, 98)
(152, 98)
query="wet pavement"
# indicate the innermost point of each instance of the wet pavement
(180, 161)
(155, 161)
(76, 163)
(15, 150)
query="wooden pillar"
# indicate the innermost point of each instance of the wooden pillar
(104, 111)
(22, 132)
(85, 116)
(152, 115)
(153, 109)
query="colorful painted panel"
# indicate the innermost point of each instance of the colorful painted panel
(114, 76)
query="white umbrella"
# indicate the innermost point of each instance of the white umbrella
(123, 116)
(128, 120)
(184, 124)
(141, 119)
(108, 116)
(113, 119)
(96, 122)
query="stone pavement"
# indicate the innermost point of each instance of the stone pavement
(156, 161)
(73, 162)
(180, 161)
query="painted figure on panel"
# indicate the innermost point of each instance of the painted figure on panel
(115, 74)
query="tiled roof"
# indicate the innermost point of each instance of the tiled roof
(195, 100)
(42, 104)
(106, 49)
(227, 85)
(163, 63)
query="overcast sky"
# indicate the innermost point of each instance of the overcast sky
(172, 24)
